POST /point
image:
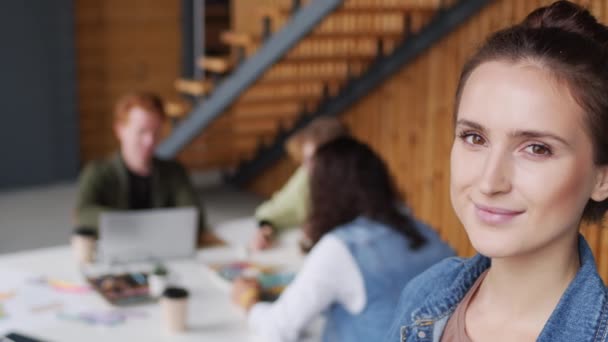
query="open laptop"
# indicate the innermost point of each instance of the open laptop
(147, 235)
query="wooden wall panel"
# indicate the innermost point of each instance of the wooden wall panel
(122, 46)
(408, 121)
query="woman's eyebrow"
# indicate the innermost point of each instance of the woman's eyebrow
(470, 124)
(529, 134)
(538, 135)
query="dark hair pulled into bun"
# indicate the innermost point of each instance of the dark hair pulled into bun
(568, 42)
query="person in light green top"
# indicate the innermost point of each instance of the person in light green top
(289, 207)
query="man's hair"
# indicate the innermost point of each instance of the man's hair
(149, 102)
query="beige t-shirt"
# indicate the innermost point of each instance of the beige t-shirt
(455, 330)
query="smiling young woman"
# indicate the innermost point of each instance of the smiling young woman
(529, 162)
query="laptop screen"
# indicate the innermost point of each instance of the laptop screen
(152, 234)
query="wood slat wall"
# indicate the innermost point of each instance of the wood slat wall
(408, 121)
(121, 46)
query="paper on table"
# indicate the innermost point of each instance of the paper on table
(109, 318)
(29, 300)
(233, 231)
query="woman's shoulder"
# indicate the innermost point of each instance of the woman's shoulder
(428, 285)
(438, 276)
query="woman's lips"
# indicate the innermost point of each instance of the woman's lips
(495, 215)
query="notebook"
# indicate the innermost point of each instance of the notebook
(272, 279)
(122, 289)
(143, 235)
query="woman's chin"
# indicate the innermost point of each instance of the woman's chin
(494, 246)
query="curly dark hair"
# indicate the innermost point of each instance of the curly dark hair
(349, 180)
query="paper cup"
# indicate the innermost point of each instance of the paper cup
(174, 306)
(84, 241)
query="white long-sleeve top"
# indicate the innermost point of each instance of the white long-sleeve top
(329, 275)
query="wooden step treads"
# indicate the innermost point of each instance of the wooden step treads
(218, 65)
(193, 87)
(237, 39)
(177, 109)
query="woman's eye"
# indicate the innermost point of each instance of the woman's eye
(474, 139)
(538, 150)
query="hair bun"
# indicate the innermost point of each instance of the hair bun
(569, 17)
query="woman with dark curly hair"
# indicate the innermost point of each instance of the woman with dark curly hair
(289, 206)
(365, 248)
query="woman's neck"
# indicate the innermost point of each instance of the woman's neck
(529, 286)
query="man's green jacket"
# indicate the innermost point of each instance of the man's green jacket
(104, 185)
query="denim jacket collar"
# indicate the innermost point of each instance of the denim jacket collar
(582, 311)
(447, 299)
(580, 315)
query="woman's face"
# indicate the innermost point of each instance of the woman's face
(522, 162)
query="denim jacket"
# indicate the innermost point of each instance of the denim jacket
(386, 263)
(428, 301)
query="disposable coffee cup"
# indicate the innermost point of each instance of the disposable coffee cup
(174, 306)
(83, 243)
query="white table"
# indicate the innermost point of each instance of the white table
(212, 316)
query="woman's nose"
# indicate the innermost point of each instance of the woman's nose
(495, 177)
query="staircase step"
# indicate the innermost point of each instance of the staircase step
(193, 87)
(218, 65)
(177, 109)
(238, 39)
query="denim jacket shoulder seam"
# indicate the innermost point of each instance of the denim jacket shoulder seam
(603, 322)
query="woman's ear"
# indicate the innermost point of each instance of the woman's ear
(600, 191)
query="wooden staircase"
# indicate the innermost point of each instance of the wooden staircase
(342, 47)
